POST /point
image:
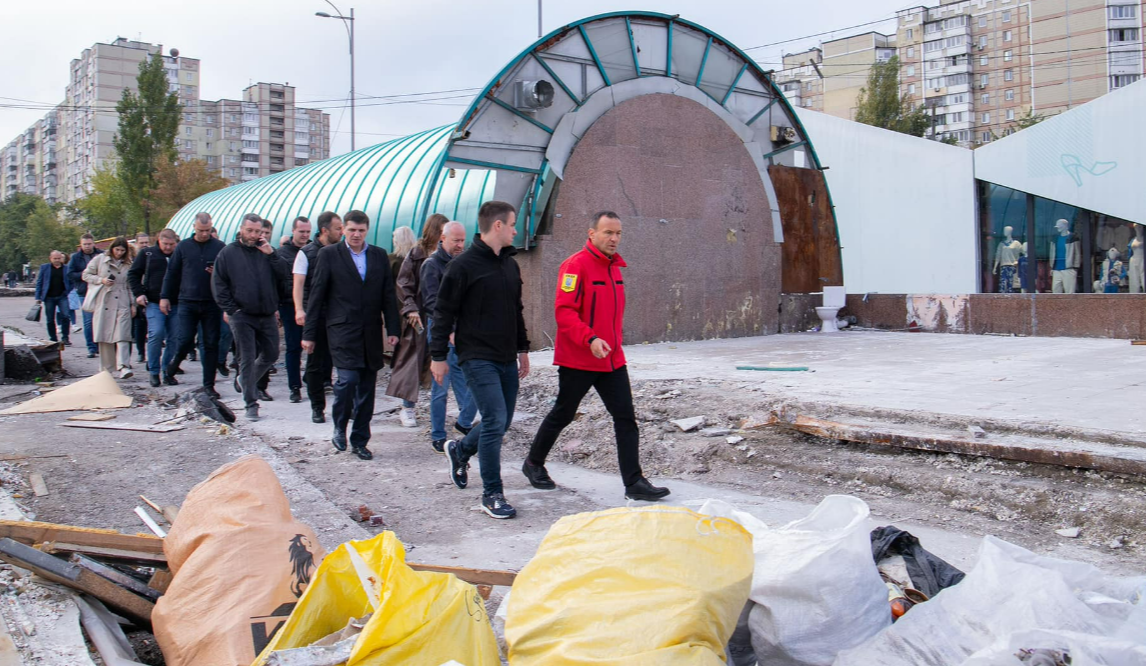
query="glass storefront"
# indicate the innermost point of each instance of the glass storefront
(1030, 244)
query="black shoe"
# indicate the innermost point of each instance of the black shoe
(264, 396)
(141, 358)
(458, 466)
(339, 440)
(223, 371)
(154, 380)
(645, 491)
(462, 429)
(252, 412)
(68, 343)
(496, 506)
(362, 452)
(439, 445)
(274, 371)
(238, 386)
(296, 395)
(177, 371)
(194, 356)
(210, 390)
(317, 416)
(93, 355)
(170, 380)
(538, 476)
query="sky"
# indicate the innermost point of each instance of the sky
(402, 48)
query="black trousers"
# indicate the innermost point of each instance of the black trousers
(257, 338)
(613, 387)
(189, 316)
(354, 403)
(318, 370)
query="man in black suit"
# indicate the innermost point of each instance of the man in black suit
(352, 294)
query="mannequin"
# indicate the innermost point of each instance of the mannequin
(1135, 270)
(1064, 259)
(1008, 254)
(1111, 275)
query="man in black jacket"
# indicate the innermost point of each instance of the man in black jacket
(292, 331)
(186, 294)
(247, 283)
(480, 299)
(352, 295)
(145, 278)
(318, 369)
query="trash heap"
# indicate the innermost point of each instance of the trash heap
(238, 581)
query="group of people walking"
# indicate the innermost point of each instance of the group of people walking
(452, 316)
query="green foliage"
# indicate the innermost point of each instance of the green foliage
(950, 140)
(148, 123)
(108, 208)
(880, 105)
(1030, 118)
(30, 229)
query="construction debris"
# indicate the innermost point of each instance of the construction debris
(96, 392)
(139, 427)
(150, 522)
(91, 417)
(691, 423)
(1069, 532)
(36, 480)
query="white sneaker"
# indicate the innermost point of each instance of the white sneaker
(406, 417)
(126, 373)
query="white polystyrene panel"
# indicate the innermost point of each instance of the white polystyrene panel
(651, 43)
(610, 41)
(1090, 156)
(688, 48)
(570, 74)
(720, 69)
(571, 45)
(905, 208)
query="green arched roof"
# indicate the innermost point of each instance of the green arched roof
(391, 182)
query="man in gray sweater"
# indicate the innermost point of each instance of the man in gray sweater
(247, 285)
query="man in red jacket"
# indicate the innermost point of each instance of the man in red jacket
(589, 308)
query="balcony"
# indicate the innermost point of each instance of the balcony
(958, 50)
(963, 68)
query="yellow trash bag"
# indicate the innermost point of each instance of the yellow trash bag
(416, 617)
(644, 586)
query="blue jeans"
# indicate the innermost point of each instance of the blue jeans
(56, 311)
(88, 335)
(160, 338)
(293, 337)
(206, 317)
(456, 379)
(494, 387)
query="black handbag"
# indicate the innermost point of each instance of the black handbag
(34, 313)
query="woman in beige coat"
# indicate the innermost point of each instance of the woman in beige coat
(113, 307)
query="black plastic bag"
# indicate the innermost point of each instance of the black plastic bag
(929, 573)
(34, 313)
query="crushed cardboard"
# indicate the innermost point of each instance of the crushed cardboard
(96, 392)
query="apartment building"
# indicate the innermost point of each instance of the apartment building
(261, 134)
(980, 66)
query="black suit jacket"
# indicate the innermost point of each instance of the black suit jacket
(352, 308)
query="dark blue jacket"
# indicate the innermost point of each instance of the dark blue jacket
(76, 266)
(187, 278)
(43, 281)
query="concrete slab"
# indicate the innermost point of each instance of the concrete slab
(1066, 382)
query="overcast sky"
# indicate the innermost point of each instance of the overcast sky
(402, 47)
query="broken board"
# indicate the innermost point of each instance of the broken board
(140, 427)
(91, 417)
(96, 392)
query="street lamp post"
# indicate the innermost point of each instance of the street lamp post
(348, 23)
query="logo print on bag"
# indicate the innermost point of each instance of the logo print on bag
(302, 561)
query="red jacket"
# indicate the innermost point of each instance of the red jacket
(590, 302)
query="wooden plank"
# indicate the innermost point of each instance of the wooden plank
(91, 417)
(36, 532)
(152, 559)
(150, 522)
(77, 578)
(21, 456)
(38, 485)
(116, 576)
(125, 426)
(473, 576)
(170, 513)
(153, 505)
(161, 580)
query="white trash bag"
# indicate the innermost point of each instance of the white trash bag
(816, 590)
(1014, 599)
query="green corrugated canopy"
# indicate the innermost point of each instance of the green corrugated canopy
(392, 182)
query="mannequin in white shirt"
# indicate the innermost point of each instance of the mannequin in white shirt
(1008, 254)
(1135, 263)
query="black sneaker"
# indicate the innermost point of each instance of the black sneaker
(210, 390)
(193, 355)
(645, 491)
(458, 465)
(339, 440)
(252, 412)
(462, 429)
(93, 355)
(496, 506)
(439, 445)
(223, 370)
(68, 343)
(362, 452)
(317, 416)
(169, 379)
(177, 371)
(538, 476)
(296, 395)
(264, 396)
(154, 379)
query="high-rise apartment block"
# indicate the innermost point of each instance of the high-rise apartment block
(980, 66)
(261, 134)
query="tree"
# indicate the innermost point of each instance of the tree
(880, 105)
(148, 123)
(30, 229)
(1030, 118)
(950, 140)
(107, 208)
(178, 183)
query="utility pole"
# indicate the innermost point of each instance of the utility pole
(348, 23)
(539, 19)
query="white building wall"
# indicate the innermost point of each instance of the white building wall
(905, 208)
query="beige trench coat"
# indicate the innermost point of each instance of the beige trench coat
(114, 306)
